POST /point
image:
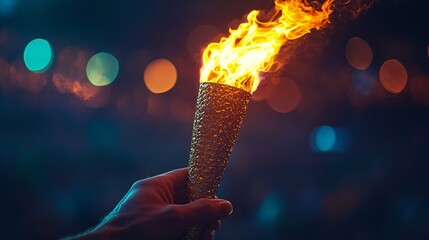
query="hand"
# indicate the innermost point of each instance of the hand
(157, 208)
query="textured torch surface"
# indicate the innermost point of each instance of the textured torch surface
(218, 117)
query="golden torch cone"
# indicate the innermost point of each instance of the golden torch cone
(218, 117)
(229, 74)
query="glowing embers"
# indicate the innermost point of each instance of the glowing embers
(393, 76)
(38, 55)
(358, 53)
(102, 69)
(160, 76)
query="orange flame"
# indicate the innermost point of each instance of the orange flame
(251, 48)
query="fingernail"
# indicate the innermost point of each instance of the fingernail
(225, 207)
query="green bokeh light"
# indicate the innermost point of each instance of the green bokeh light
(102, 69)
(38, 55)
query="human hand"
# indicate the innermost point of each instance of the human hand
(157, 208)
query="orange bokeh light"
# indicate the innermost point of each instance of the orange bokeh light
(393, 76)
(160, 76)
(283, 95)
(358, 53)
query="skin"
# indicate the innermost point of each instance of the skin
(157, 208)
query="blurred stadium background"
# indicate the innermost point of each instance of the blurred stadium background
(95, 95)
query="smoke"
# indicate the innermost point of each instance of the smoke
(346, 10)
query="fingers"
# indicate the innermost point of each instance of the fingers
(207, 234)
(175, 180)
(204, 210)
(181, 197)
(209, 231)
(178, 177)
(214, 225)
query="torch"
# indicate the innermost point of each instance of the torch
(229, 74)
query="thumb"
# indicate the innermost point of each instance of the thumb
(205, 210)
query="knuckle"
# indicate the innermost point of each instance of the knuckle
(139, 184)
(174, 213)
(209, 207)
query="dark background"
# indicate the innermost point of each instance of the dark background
(65, 162)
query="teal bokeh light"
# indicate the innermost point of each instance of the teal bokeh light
(271, 211)
(38, 55)
(324, 138)
(7, 7)
(102, 69)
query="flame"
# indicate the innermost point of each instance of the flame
(250, 49)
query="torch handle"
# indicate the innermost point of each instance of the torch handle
(218, 118)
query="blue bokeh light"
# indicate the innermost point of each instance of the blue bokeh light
(330, 139)
(7, 7)
(325, 138)
(363, 81)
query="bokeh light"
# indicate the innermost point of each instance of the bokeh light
(38, 55)
(19, 76)
(7, 7)
(70, 78)
(358, 53)
(393, 76)
(363, 81)
(271, 210)
(102, 69)
(323, 138)
(160, 76)
(282, 95)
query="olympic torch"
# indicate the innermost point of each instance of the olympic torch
(229, 74)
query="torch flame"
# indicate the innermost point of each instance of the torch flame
(251, 48)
